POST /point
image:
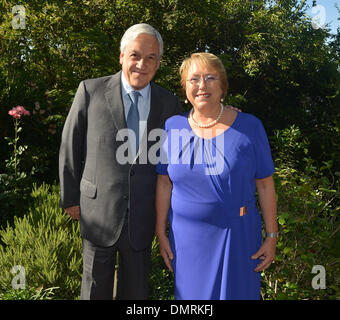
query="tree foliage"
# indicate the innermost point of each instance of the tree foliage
(279, 68)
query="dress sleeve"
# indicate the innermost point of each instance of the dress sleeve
(162, 165)
(264, 162)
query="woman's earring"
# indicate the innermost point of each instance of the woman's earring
(186, 101)
(221, 99)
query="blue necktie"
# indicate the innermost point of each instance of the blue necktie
(133, 116)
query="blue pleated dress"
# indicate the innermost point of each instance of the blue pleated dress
(212, 240)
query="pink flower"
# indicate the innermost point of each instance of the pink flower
(18, 112)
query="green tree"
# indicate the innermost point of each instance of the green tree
(279, 68)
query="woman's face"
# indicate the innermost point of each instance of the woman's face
(204, 87)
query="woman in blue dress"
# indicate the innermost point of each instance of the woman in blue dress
(213, 159)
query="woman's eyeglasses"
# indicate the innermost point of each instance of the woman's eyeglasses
(208, 79)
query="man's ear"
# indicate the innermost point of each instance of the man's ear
(121, 56)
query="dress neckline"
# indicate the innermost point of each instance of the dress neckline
(224, 132)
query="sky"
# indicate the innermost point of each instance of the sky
(326, 11)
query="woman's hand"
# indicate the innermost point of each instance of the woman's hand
(267, 198)
(163, 195)
(265, 253)
(165, 250)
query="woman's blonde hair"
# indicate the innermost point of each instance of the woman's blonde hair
(208, 59)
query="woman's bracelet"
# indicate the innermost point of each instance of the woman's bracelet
(272, 234)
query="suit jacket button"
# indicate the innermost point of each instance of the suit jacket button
(126, 197)
(132, 173)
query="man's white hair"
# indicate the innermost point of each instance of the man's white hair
(133, 32)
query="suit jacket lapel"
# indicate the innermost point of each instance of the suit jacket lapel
(113, 96)
(155, 109)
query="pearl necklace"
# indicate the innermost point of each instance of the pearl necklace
(210, 124)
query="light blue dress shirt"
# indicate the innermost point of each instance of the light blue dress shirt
(143, 103)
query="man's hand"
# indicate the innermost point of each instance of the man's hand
(234, 108)
(73, 212)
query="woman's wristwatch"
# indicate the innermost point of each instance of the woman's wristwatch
(272, 234)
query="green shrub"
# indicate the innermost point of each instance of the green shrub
(47, 243)
(308, 217)
(161, 279)
(14, 196)
(28, 294)
(289, 146)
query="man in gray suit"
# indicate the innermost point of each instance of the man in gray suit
(113, 200)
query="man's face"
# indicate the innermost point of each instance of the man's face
(140, 60)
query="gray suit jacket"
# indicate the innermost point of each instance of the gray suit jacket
(91, 176)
